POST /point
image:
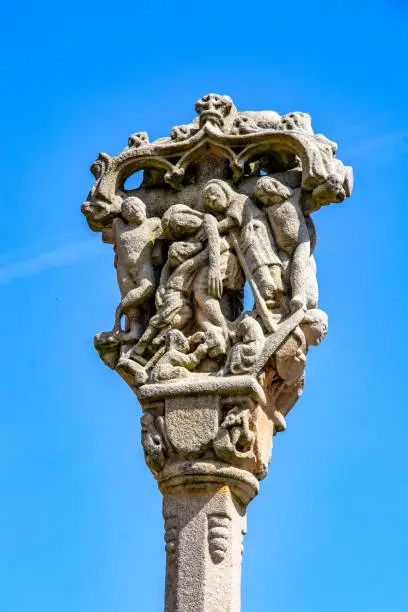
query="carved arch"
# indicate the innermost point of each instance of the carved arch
(119, 170)
(313, 169)
(197, 152)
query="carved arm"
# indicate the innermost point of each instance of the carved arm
(213, 238)
(193, 359)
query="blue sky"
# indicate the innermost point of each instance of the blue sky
(80, 518)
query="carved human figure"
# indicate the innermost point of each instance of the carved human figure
(198, 247)
(179, 358)
(248, 339)
(284, 209)
(209, 315)
(197, 266)
(134, 237)
(290, 358)
(238, 216)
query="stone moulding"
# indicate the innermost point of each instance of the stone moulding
(225, 203)
(203, 384)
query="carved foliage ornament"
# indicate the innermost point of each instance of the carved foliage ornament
(225, 203)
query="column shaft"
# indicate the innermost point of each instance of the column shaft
(203, 533)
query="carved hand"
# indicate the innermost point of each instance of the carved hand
(296, 302)
(214, 283)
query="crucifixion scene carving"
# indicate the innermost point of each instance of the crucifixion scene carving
(214, 255)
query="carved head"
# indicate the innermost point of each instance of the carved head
(175, 339)
(99, 214)
(269, 191)
(332, 190)
(133, 210)
(181, 221)
(217, 196)
(214, 108)
(249, 330)
(314, 326)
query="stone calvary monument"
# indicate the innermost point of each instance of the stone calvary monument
(225, 204)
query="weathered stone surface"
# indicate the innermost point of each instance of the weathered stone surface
(225, 200)
(204, 529)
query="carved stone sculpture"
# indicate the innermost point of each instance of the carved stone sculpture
(225, 201)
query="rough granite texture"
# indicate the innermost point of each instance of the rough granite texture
(225, 201)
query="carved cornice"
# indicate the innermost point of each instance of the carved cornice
(315, 152)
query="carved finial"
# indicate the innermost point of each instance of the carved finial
(300, 122)
(100, 164)
(138, 139)
(213, 108)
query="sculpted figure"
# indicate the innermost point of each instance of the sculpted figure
(198, 250)
(201, 266)
(209, 315)
(179, 358)
(134, 238)
(237, 212)
(290, 358)
(291, 233)
(237, 421)
(154, 441)
(248, 341)
(236, 439)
